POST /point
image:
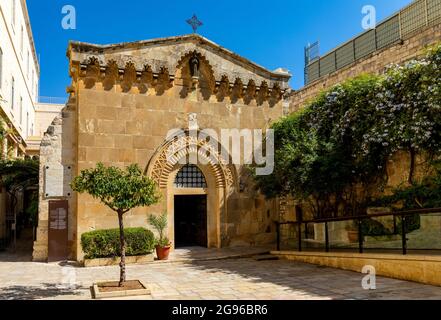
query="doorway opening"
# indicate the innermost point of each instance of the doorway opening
(191, 221)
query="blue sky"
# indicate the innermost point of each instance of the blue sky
(270, 33)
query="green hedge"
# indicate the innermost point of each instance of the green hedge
(105, 243)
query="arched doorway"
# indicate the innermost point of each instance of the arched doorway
(190, 202)
(164, 168)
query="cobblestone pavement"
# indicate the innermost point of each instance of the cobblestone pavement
(237, 279)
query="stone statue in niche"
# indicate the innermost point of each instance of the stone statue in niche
(194, 66)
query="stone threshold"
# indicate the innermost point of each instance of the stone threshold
(214, 258)
(149, 259)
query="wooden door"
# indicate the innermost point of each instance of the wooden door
(58, 231)
(191, 221)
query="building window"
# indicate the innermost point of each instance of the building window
(21, 111)
(33, 82)
(12, 93)
(1, 67)
(190, 176)
(21, 41)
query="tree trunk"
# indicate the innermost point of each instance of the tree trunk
(122, 265)
(412, 165)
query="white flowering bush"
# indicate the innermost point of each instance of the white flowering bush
(344, 138)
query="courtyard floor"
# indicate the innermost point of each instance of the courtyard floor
(193, 279)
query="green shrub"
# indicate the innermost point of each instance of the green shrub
(105, 243)
(413, 223)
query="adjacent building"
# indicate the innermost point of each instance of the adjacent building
(21, 114)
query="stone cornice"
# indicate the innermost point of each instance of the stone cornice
(158, 63)
(86, 50)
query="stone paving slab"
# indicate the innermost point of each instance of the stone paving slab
(234, 279)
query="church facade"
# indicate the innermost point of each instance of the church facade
(125, 99)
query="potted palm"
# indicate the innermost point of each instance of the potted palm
(163, 245)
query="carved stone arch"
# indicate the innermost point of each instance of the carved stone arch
(93, 72)
(263, 93)
(237, 90)
(172, 151)
(146, 79)
(250, 92)
(207, 81)
(222, 88)
(163, 80)
(129, 77)
(111, 75)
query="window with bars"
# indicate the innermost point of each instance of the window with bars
(190, 176)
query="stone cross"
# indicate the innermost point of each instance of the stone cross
(195, 23)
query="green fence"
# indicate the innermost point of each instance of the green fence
(409, 21)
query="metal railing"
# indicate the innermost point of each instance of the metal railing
(404, 215)
(412, 19)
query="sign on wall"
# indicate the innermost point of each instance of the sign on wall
(57, 179)
(58, 231)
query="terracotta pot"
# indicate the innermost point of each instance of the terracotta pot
(353, 236)
(162, 252)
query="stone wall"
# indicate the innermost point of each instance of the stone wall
(45, 113)
(57, 150)
(123, 128)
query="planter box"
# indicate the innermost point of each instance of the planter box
(98, 293)
(103, 262)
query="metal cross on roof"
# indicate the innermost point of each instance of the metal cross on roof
(195, 23)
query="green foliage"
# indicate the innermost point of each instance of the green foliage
(32, 211)
(420, 195)
(3, 130)
(121, 190)
(19, 174)
(374, 228)
(160, 224)
(413, 222)
(106, 243)
(344, 138)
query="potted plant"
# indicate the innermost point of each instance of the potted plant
(163, 244)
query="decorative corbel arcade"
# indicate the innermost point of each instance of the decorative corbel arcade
(192, 66)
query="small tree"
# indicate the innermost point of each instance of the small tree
(121, 191)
